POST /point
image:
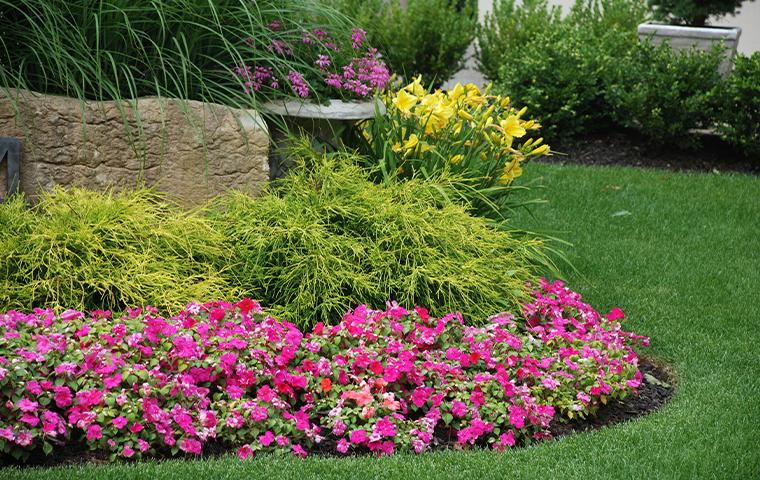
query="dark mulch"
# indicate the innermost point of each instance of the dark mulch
(654, 392)
(630, 149)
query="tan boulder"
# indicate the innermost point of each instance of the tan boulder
(189, 150)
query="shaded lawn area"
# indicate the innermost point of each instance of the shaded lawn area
(680, 253)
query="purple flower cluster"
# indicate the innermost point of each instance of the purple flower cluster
(358, 76)
(254, 79)
(298, 84)
(361, 76)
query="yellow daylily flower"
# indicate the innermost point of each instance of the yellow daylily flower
(405, 101)
(504, 102)
(416, 87)
(543, 149)
(511, 126)
(464, 115)
(424, 147)
(411, 142)
(456, 159)
(511, 171)
(457, 92)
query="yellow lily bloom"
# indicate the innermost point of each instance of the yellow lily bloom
(511, 126)
(411, 142)
(464, 115)
(457, 92)
(543, 149)
(456, 159)
(405, 101)
(511, 171)
(416, 87)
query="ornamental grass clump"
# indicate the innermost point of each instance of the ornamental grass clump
(380, 381)
(326, 238)
(480, 139)
(88, 250)
(124, 49)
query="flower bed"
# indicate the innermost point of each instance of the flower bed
(379, 381)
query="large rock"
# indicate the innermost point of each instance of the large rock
(189, 150)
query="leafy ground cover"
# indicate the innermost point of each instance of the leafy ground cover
(679, 253)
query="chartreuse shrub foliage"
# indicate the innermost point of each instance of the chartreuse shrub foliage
(555, 66)
(377, 381)
(425, 37)
(86, 250)
(739, 120)
(326, 238)
(480, 139)
(664, 93)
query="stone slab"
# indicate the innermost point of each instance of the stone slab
(189, 150)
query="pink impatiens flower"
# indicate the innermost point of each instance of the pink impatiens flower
(245, 452)
(94, 432)
(190, 445)
(267, 438)
(458, 409)
(615, 314)
(517, 416)
(119, 422)
(26, 405)
(358, 437)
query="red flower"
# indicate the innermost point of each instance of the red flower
(326, 385)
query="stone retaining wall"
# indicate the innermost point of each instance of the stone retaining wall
(189, 150)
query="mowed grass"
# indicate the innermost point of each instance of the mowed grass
(680, 253)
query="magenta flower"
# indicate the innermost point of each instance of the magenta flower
(517, 416)
(26, 405)
(298, 84)
(94, 432)
(342, 446)
(458, 409)
(299, 451)
(245, 452)
(322, 61)
(128, 452)
(358, 437)
(267, 438)
(615, 315)
(119, 422)
(7, 433)
(357, 38)
(24, 438)
(190, 445)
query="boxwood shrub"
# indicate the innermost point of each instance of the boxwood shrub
(664, 93)
(739, 120)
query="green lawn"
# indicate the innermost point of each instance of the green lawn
(683, 261)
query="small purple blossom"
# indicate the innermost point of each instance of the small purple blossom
(298, 84)
(357, 38)
(322, 61)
